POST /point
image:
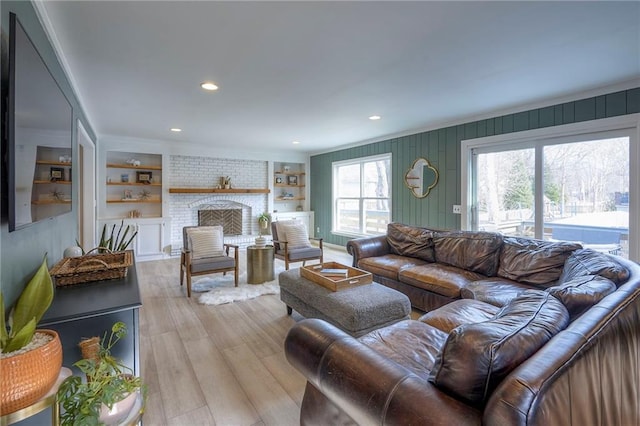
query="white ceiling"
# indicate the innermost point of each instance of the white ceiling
(314, 71)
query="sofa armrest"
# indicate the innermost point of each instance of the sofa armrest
(367, 247)
(367, 386)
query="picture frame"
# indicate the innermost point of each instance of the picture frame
(124, 178)
(143, 177)
(292, 180)
(127, 194)
(56, 174)
(278, 180)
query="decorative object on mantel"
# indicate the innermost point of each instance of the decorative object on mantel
(110, 390)
(225, 182)
(133, 162)
(31, 359)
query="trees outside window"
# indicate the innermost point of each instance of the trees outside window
(572, 189)
(361, 195)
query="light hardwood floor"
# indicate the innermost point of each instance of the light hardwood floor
(216, 365)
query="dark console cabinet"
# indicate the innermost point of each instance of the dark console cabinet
(90, 309)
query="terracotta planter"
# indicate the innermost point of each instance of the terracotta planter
(28, 376)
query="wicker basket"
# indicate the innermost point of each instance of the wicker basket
(28, 376)
(94, 267)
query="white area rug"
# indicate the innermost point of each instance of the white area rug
(220, 289)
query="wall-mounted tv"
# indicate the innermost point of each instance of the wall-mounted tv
(39, 136)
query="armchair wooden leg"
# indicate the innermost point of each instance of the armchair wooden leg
(188, 284)
(286, 263)
(181, 268)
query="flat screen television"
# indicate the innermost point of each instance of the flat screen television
(39, 122)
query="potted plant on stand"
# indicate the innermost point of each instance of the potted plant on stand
(31, 359)
(110, 389)
(263, 220)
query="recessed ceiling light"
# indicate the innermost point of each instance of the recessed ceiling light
(295, 142)
(207, 85)
(375, 117)
(175, 129)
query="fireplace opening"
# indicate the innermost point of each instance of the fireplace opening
(227, 214)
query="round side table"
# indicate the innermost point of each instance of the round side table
(260, 264)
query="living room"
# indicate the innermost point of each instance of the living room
(586, 107)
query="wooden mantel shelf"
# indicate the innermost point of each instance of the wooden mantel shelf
(218, 191)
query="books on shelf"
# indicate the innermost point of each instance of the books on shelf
(332, 272)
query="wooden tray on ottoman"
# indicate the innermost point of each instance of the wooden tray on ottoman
(93, 267)
(355, 277)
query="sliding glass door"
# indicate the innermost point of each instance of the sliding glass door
(565, 188)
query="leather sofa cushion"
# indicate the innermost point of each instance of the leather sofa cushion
(590, 262)
(582, 292)
(474, 251)
(388, 265)
(412, 241)
(496, 291)
(535, 262)
(476, 357)
(459, 312)
(411, 344)
(438, 278)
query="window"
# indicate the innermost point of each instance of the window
(362, 195)
(573, 183)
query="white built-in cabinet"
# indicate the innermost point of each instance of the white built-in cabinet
(151, 240)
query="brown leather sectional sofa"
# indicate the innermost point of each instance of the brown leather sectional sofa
(518, 332)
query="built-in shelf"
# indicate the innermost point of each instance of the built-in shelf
(134, 184)
(43, 182)
(134, 200)
(289, 199)
(290, 173)
(129, 166)
(284, 185)
(218, 191)
(43, 202)
(53, 163)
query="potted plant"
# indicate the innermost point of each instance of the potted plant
(109, 390)
(263, 220)
(116, 241)
(30, 359)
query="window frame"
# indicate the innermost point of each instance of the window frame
(361, 161)
(627, 125)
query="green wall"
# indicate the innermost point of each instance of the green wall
(442, 148)
(21, 251)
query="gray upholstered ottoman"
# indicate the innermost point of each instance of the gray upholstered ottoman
(357, 310)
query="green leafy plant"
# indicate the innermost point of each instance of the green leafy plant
(31, 305)
(263, 220)
(116, 241)
(264, 217)
(108, 381)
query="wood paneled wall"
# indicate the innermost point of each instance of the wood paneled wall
(442, 148)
